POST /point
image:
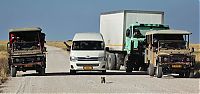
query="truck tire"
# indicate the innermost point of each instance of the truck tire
(159, 72)
(111, 61)
(107, 68)
(189, 74)
(136, 68)
(127, 66)
(118, 61)
(42, 71)
(181, 74)
(13, 71)
(151, 70)
(72, 72)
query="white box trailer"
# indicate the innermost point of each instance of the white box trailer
(114, 24)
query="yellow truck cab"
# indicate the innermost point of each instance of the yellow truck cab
(167, 51)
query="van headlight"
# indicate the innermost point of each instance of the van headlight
(101, 59)
(73, 58)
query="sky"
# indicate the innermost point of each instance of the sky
(61, 19)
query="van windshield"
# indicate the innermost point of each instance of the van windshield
(88, 45)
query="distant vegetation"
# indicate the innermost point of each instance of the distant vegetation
(59, 44)
(3, 61)
(196, 51)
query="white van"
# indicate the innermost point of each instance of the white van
(87, 53)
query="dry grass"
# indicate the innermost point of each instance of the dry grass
(196, 51)
(3, 61)
(59, 44)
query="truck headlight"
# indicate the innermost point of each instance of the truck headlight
(101, 59)
(165, 59)
(38, 58)
(188, 59)
(72, 58)
(17, 60)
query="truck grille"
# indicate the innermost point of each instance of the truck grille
(88, 59)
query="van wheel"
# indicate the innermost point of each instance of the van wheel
(159, 72)
(151, 71)
(103, 71)
(72, 72)
(13, 71)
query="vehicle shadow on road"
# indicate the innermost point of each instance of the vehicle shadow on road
(88, 73)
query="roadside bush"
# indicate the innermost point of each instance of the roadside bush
(3, 47)
(3, 65)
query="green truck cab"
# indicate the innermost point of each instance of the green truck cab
(135, 44)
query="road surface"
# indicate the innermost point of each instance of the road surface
(58, 80)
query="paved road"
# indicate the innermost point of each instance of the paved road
(58, 80)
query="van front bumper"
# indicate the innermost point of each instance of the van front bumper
(88, 65)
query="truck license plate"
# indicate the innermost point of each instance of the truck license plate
(176, 66)
(87, 67)
(28, 66)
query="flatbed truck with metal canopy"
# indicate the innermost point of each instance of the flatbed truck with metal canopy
(26, 50)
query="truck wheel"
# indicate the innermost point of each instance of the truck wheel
(107, 68)
(13, 71)
(181, 74)
(129, 67)
(111, 61)
(159, 72)
(189, 74)
(72, 72)
(151, 71)
(136, 68)
(118, 61)
(42, 71)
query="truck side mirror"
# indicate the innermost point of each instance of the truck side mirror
(45, 49)
(192, 50)
(155, 49)
(8, 47)
(107, 49)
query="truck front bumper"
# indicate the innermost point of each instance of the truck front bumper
(176, 67)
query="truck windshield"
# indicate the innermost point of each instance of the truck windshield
(144, 29)
(172, 44)
(26, 46)
(88, 45)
